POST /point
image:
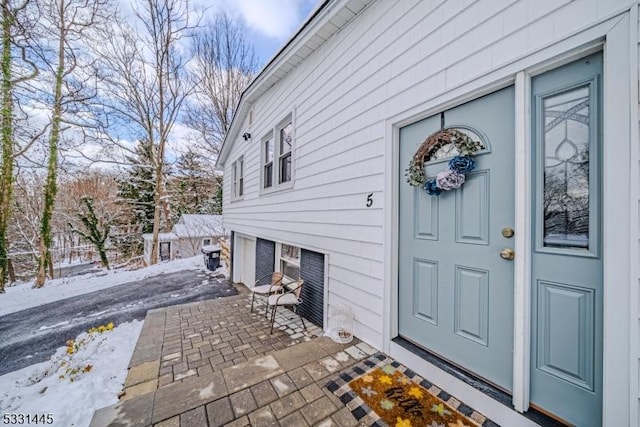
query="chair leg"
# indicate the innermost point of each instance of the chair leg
(300, 315)
(253, 296)
(273, 317)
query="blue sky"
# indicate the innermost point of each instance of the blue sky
(269, 23)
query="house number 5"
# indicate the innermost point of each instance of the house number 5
(370, 200)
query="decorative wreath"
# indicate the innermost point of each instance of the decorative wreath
(457, 168)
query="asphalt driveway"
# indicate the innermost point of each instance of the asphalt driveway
(31, 336)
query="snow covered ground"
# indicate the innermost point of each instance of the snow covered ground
(72, 384)
(23, 295)
(70, 387)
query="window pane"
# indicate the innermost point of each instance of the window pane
(268, 175)
(241, 186)
(286, 139)
(566, 169)
(234, 182)
(285, 168)
(290, 270)
(290, 252)
(268, 151)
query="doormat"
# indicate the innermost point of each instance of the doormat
(381, 392)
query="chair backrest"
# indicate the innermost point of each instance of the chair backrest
(296, 287)
(276, 278)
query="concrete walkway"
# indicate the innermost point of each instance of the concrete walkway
(214, 363)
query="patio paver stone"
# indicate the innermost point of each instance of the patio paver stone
(181, 397)
(251, 373)
(214, 363)
(219, 412)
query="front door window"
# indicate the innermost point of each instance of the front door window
(566, 169)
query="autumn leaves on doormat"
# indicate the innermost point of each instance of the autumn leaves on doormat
(381, 392)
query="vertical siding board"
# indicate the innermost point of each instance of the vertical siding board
(636, 271)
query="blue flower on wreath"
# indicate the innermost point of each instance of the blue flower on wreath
(462, 164)
(431, 187)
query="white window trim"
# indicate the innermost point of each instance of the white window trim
(274, 135)
(238, 167)
(263, 153)
(279, 258)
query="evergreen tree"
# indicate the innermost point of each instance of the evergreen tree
(135, 194)
(192, 189)
(136, 186)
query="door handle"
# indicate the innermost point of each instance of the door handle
(507, 254)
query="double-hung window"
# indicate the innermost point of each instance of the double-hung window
(276, 156)
(286, 143)
(267, 173)
(237, 173)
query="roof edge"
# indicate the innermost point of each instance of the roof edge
(322, 13)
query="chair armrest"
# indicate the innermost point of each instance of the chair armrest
(267, 276)
(274, 289)
(291, 287)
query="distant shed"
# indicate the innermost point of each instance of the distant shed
(186, 238)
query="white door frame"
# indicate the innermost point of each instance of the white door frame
(617, 36)
(239, 263)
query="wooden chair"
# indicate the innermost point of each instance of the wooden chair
(265, 290)
(290, 297)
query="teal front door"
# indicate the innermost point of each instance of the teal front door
(567, 282)
(455, 289)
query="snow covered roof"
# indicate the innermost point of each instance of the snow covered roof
(195, 225)
(161, 236)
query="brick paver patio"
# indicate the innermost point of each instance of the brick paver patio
(214, 363)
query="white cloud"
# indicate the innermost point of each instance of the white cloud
(276, 19)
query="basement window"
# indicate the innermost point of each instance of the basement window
(290, 261)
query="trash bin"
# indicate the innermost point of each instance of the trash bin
(211, 257)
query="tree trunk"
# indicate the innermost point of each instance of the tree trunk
(51, 188)
(157, 199)
(159, 193)
(6, 175)
(103, 256)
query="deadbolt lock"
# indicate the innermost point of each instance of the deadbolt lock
(508, 232)
(507, 254)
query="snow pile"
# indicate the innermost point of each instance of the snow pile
(84, 376)
(22, 296)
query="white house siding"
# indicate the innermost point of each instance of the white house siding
(394, 56)
(635, 302)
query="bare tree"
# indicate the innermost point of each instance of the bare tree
(87, 206)
(71, 23)
(148, 85)
(23, 230)
(223, 65)
(16, 69)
